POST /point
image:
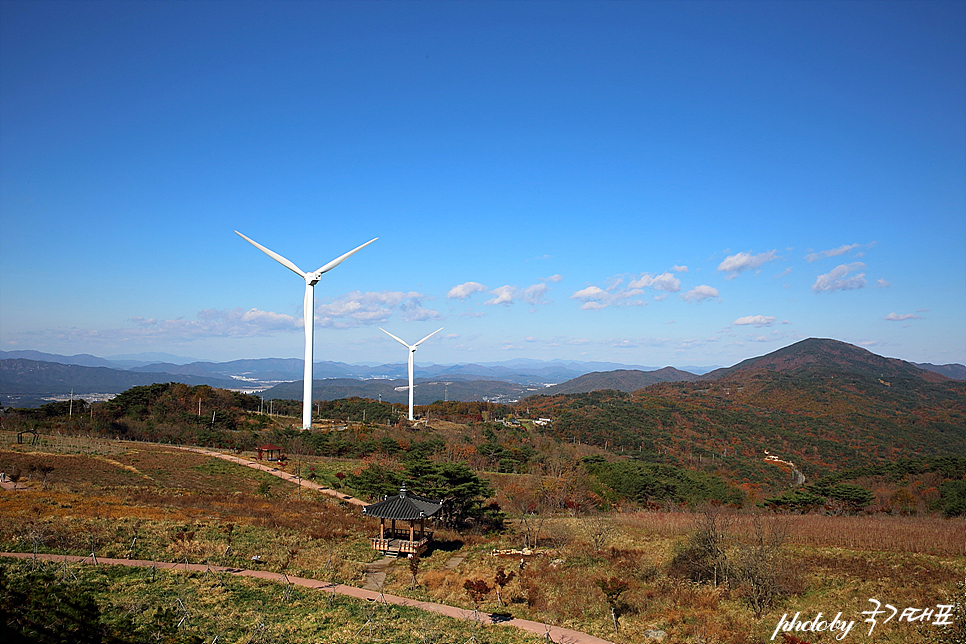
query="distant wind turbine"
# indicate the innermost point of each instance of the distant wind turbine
(412, 352)
(311, 279)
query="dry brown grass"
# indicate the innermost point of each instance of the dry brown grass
(180, 505)
(838, 563)
(878, 532)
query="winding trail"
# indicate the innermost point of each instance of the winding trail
(274, 471)
(552, 633)
(371, 592)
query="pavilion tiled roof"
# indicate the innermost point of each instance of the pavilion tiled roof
(404, 506)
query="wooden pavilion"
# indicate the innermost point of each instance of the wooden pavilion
(407, 508)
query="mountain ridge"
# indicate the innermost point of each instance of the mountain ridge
(829, 355)
(526, 378)
(626, 380)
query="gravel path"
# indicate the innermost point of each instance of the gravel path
(554, 633)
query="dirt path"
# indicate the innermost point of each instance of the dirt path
(274, 471)
(454, 561)
(554, 633)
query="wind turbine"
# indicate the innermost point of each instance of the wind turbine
(311, 279)
(412, 352)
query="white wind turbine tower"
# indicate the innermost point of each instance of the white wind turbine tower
(311, 279)
(412, 352)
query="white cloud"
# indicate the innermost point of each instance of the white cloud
(701, 293)
(503, 295)
(464, 290)
(734, 264)
(594, 298)
(625, 344)
(679, 269)
(553, 278)
(835, 252)
(881, 283)
(211, 323)
(757, 320)
(357, 308)
(413, 311)
(591, 292)
(208, 323)
(535, 294)
(264, 320)
(899, 317)
(663, 282)
(837, 279)
(616, 294)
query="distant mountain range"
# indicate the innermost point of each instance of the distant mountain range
(28, 377)
(21, 376)
(274, 370)
(33, 373)
(954, 371)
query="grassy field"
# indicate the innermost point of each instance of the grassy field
(159, 502)
(138, 605)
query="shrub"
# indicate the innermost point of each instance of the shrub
(703, 557)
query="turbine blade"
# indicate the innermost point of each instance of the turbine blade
(402, 342)
(428, 336)
(278, 258)
(338, 260)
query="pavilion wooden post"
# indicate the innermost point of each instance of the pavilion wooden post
(382, 528)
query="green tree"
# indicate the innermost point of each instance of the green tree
(375, 481)
(854, 497)
(461, 490)
(36, 607)
(953, 498)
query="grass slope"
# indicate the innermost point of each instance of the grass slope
(153, 502)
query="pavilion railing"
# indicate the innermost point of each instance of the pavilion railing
(401, 545)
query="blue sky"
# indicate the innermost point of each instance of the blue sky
(652, 183)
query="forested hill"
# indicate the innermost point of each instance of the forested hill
(810, 404)
(620, 380)
(828, 356)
